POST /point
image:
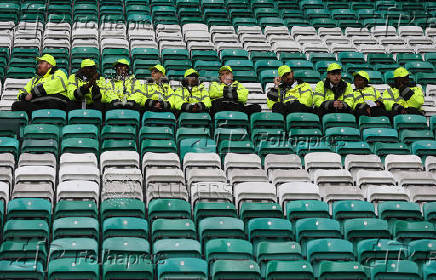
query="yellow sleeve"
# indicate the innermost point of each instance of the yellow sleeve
(215, 91)
(417, 99)
(242, 93)
(205, 98)
(71, 87)
(349, 96)
(388, 99)
(318, 95)
(57, 85)
(27, 88)
(306, 97)
(177, 99)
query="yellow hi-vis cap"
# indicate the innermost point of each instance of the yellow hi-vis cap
(333, 67)
(362, 74)
(225, 68)
(159, 68)
(87, 63)
(122, 61)
(48, 58)
(401, 72)
(283, 70)
(190, 72)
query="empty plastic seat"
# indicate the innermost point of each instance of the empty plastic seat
(220, 227)
(369, 250)
(352, 209)
(178, 228)
(181, 268)
(169, 209)
(398, 269)
(73, 267)
(301, 209)
(125, 226)
(176, 248)
(235, 269)
(289, 269)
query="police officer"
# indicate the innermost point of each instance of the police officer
(84, 87)
(333, 95)
(229, 95)
(192, 97)
(289, 95)
(159, 95)
(403, 97)
(47, 90)
(367, 100)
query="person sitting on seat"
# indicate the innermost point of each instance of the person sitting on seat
(333, 95)
(47, 90)
(403, 97)
(192, 97)
(159, 95)
(123, 91)
(229, 95)
(289, 95)
(367, 100)
(84, 87)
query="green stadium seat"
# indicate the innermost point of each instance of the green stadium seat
(191, 268)
(125, 248)
(428, 270)
(354, 67)
(85, 117)
(369, 250)
(233, 54)
(9, 145)
(267, 76)
(189, 133)
(80, 145)
(395, 269)
(289, 269)
(220, 227)
(119, 145)
(159, 119)
(303, 147)
(264, 148)
(76, 227)
(338, 120)
(80, 131)
(296, 134)
(359, 229)
(429, 211)
(328, 249)
(402, 210)
(22, 269)
(424, 148)
(122, 117)
(15, 117)
(155, 133)
(242, 147)
(406, 231)
(29, 208)
(75, 268)
(351, 57)
(194, 120)
(308, 76)
(421, 249)
(383, 149)
(261, 64)
(39, 146)
(419, 67)
(344, 148)
(302, 209)
(335, 134)
(173, 229)
(403, 58)
(158, 146)
(25, 230)
(410, 122)
(385, 67)
(302, 120)
(122, 207)
(315, 228)
(334, 269)
(207, 55)
(140, 269)
(375, 77)
(72, 208)
(426, 78)
(352, 209)
(145, 54)
(124, 226)
(267, 120)
(408, 136)
(269, 229)
(72, 247)
(230, 134)
(227, 249)
(373, 122)
(235, 269)
(197, 145)
(372, 135)
(176, 248)
(165, 208)
(41, 131)
(298, 65)
(30, 251)
(266, 251)
(382, 58)
(213, 209)
(321, 65)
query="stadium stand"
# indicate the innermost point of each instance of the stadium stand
(121, 194)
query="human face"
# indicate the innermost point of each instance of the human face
(226, 77)
(288, 78)
(156, 75)
(192, 81)
(43, 67)
(359, 82)
(89, 71)
(334, 77)
(122, 69)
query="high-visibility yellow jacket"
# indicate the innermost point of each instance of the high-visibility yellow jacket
(301, 92)
(323, 92)
(184, 96)
(216, 91)
(366, 94)
(53, 85)
(411, 97)
(129, 89)
(76, 92)
(155, 92)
